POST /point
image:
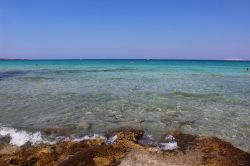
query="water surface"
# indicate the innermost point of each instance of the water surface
(94, 96)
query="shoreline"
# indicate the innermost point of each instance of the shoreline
(125, 147)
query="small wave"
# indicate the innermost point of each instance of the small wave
(196, 95)
(168, 143)
(87, 137)
(216, 75)
(21, 137)
(37, 78)
(8, 74)
(109, 70)
(88, 71)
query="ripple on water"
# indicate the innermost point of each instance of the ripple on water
(8, 74)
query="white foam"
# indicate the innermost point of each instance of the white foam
(169, 137)
(149, 136)
(168, 146)
(108, 141)
(112, 139)
(20, 138)
(95, 136)
(171, 144)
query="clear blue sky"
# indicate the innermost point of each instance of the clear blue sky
(186, 29)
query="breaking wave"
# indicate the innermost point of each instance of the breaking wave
(21, 137)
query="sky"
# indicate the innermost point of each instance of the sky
(125, 29)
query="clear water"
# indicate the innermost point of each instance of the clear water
(94, 96)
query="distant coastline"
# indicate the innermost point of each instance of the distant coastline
(10, 59)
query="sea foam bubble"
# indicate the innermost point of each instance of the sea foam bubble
(87, 137)
(20, 137)
(168, 146)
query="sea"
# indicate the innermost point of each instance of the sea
(93, 97)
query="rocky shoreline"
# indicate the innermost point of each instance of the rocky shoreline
(125, 150)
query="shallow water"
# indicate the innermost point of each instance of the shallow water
(94, 96)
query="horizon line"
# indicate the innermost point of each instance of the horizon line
(124, 59)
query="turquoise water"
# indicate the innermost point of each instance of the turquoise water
(94, 96)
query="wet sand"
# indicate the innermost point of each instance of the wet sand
(126, 151)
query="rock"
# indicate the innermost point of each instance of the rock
(4, 139)
(31, 160)
(100, 161)
(129, 135)
(193, 150)
(8, 149)
(58, 149)
(13, 162)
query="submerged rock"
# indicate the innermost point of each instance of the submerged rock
(57, 131)
(111, 113)
(83, 125)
